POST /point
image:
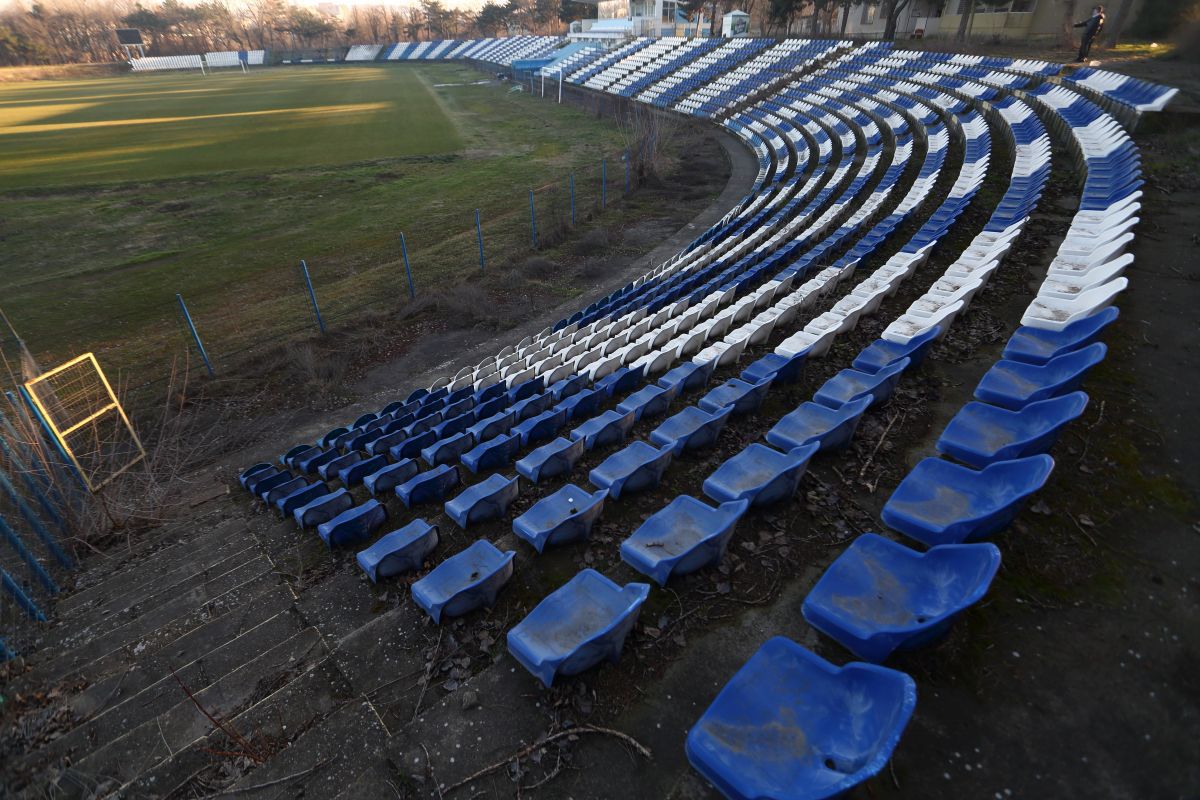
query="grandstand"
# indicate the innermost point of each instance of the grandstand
(868, 159)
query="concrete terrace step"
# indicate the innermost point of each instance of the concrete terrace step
(270, 724)
(100, 576)
(161, 625)
(324, 759)
(114, 683)
(182, 724)
(147, 691)
(156, 571)
(92, 622)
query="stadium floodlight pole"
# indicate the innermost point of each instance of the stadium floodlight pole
(187, 317)
(412, 292)
(312, 295)
(479, 235)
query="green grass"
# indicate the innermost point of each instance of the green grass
(148, 127)
(221, 209)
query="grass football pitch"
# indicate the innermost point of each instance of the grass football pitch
(117, 193)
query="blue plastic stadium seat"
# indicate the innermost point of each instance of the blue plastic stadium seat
(691, 429)
(580, 624)
(563, 517)
(400, 551)
(448, 450)
(495, 453)
(882, 353)
(582, 404)
(412, 446)
(485, 500)
(354, 474)
(454, 425)
(330, 469)
(685, 536)
(851, 384)
(556, 457)
(568, 386)
(1015, 384)
(688, 377)
(526, 389)
(939, 502)
(310, 462)
(464, 582)
(353, 525)
(880, 596)
(492, 426)
(322, 508)
(745, 398)
(261, 469)
(272, 495)
(388, 478)
(1039, 345)
(262, 483)
(620, 382)
(759, 474)
(791, 726)
(981, 434)
(636, 467)
(778, 368)
(428, 487)
(648, 402)
(532, 406)
(287, 504)
(542, 427)
(287, 459)
(813, 422)
(605, 429)
(384, 444)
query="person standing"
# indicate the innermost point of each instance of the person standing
(1091, 29)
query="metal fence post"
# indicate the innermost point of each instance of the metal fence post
(572, 199)
(38, 571)
(32, 484)
(187, 317)
(532, 220)
(312, 295)
(34, 414)
(412, 292)
(23, 600)
(603, 181)
(479, 235)
(35, 522)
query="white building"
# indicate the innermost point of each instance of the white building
(617, 19)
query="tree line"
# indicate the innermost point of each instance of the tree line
(83, 31)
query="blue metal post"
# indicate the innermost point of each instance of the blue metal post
(32, 408)
(187, 317)
(572, 199)
(13, 588)
(32, 485)
(35, 522)
(412, 292)
(603, 181)
(532, 220)
(38, 571)
(312, 295)
(6, 652)
(479, 235)
(625, 158)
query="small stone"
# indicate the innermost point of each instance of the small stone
(470, 699)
